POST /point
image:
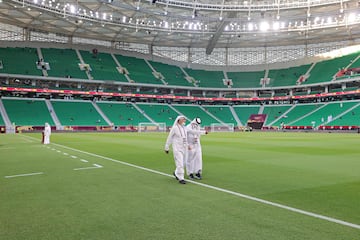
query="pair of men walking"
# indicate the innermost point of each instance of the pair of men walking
(185, 141)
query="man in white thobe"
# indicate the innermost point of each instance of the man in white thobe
(194, 154)
(47, 133)
(178, 139)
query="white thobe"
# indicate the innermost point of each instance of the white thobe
(194, 154)
(178, 139)
(47, 133)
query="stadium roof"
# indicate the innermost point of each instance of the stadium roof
(191, 23)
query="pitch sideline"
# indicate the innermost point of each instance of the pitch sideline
(311, 214)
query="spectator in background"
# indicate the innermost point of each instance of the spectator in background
(46, 134)
(194, 154)
(178, 139)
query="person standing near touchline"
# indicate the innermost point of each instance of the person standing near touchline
(194, 155)
(178, 139)
(46, 134)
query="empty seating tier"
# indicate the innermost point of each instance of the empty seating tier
(77, 113)
(159, 112)
(210, 79)
(27, 112)
(103, 66)
(172, 74)
(20, 61)
(122, 114)
(139, 70)
(244, 112)
(63, 63)
(246, 79)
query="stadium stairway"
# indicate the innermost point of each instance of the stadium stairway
(5, 117)
(143, 113)
(324, 114)
(261, 109)
(296, 112)
(188, 78)
(122, 113)
(102, 114)
(192, 111)
(156, 74)
(280, 117)
(40, 55)
(244, 112)
(355, 62)
(239, 123)
(342, 114)
(273, 112)
(212, 115)
(307, 114)
(64, 63)
(27, 111)
(178, 112)
(121, 67)
(53, 115)
(160, 113)
(82, 62)
(77, 113)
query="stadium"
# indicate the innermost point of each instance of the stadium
(276, 83)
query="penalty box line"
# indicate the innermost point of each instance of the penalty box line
(311, 214)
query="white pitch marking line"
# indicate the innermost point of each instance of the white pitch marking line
(83, 160)
(24, 175)
(58, 151)
(66, 154)
(73, 156)
(311, 214)
(86, 168)
(7, 148)
(27, 139)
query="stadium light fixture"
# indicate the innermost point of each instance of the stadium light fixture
(264, 26)
(250, 26)
(351, 18)
(72, 9)
(276, 26)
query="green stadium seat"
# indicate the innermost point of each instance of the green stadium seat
(203, 78)
(159, 112)
(20, 61)
(320, 116)
(244, 112)
(172, 74)
(286, 77)
(77, 113)
(297, 112)
(193, 111)
(325, 70)
(63, 63)
(246, 79)
(122, 114)
(221, 112)
(103, 66)
(274, 112)
(138, 70)
(27, 112)
(351, 118)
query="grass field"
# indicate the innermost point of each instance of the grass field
(70, 198)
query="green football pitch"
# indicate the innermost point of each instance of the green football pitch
(106, 186)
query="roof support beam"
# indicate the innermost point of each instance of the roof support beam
(212, 42)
